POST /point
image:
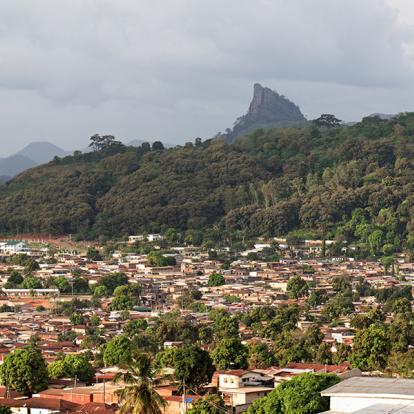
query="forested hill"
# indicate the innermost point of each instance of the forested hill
(348, 182)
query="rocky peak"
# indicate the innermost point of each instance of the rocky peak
(267, 109)
(261, 97)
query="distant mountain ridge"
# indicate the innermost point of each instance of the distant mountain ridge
(267, 110)
(34, 154)
(13, 165)
(41, 152)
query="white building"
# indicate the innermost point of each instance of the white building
(149, 237)
(239, 388)
(368, 395)
(13, 247)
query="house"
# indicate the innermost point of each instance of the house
(239, 388)
(10, 247)
(365, 395)
(40, 405)
(239, 399)
(149, 237)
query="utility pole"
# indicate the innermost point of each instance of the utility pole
(184, 411)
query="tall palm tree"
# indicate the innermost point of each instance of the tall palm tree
(138, 396)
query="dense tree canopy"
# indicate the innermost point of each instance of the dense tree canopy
(118, 351)
(72, 366)
(230, 354)
(25, 370)
(351, 183)
(301, 395)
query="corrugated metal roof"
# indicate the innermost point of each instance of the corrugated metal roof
(373, 387)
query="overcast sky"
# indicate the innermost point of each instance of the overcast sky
(178, 69)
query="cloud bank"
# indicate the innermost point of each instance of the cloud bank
(178, 69)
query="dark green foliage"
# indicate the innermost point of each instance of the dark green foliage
(111, 282)
(215, 279)
(327, 121)
(93, 255)
(297, 287)
(210, 404)
(68, 308)
(371, 348)
(126, 297)
(224, 325)
(5, 410)
(25, 371)
(77, 319)
(351, 182)
(301, 395)
(230, 354)
(118, 351)
(135, 327)
(31, 282)
(260, 356)
(14, 280)
(158, 259)
(193, 366)
(172, 327)
(72, 366)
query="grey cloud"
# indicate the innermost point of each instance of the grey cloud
(178, 69)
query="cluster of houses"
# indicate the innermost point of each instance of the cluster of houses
(254, 283)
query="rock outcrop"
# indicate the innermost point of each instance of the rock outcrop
(267, 109)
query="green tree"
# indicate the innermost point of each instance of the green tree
(100, 291)
(80, 285)
(230, 354)
(112, 281)
(300, 395)
(387, 262)
(193, 367)
(376, 241)
(341, 284)
(297, 287)
(118, 351)
(31, 266)
(401, 363)
(210, 404)
(216, 279)
(138, 395)
(156, 258)
(342, 354)
(317, 298)
(371, 348)
(77, 319)
(25, 371)
(72, 366)
(93, 255)
(323, 354)
(14, 280)
(31, 282)
(135, 327)
(5, 410)
(327, 121)
(260, 356)
(224, 325)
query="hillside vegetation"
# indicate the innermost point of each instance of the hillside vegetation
(352, 183)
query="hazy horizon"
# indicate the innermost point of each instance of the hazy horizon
(174, 71)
